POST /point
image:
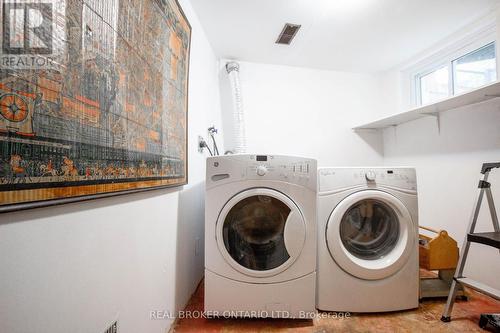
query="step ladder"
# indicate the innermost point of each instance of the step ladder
(486, 238)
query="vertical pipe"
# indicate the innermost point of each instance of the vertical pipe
(240, 142)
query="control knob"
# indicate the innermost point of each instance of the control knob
(261, 170)
(370, 176)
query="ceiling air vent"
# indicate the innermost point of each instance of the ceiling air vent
(289, 31)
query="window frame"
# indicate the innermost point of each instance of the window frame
(446, 59)
(454, 65)
(418, 80)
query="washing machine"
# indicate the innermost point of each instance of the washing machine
(367, 239)
(260, 236)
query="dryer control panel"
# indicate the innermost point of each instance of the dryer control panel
(295, 170)
(331, 179)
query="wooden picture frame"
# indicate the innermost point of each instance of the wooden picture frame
(108, 116)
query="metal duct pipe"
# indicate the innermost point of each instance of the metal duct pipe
(240, 140)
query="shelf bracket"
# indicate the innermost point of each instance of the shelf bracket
(395, 131)
(436, 115)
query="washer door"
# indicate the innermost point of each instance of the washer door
(260, 232)
(370, 234)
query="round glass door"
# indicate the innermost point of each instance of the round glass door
(370, 234)
(254, 232)
(260, 232)
(369, 229)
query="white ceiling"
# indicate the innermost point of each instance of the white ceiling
(347, 35)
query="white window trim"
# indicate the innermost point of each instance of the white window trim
(453, 64)
(445, 57)
(416, 80)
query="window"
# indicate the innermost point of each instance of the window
(457, 75)
(475, 69)
(434, 85)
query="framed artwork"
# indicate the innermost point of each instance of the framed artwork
(93, 99)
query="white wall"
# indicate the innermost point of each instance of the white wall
(307, 112)
(78, 267)
(448, 164)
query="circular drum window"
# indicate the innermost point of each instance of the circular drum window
(253, 232)
(369, 229)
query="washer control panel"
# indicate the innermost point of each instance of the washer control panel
(296, 170)
(331, 179)
(272, 167)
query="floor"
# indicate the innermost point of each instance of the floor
(424, 319)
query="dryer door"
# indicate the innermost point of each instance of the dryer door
(260, 232)
(370, 234)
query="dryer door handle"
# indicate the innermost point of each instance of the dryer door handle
(295, 233)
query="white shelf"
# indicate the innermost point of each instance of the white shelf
(472, 97)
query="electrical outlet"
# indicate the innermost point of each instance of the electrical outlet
(201, 144)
